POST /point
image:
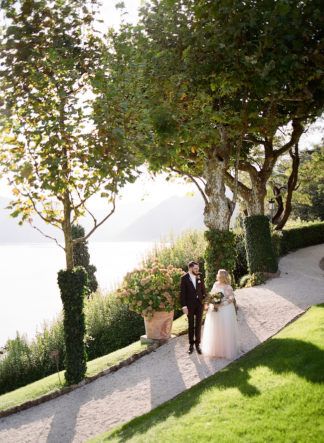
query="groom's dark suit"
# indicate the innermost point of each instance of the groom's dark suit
(192, 298)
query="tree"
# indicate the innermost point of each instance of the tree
(53, 149)
(221, 77)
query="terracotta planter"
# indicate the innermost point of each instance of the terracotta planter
(159, 326)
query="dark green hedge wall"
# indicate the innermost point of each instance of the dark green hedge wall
(260, 252)
(290, 239)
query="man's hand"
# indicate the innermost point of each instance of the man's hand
(185, 311)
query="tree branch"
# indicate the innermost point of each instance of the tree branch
(96, 225)
(47, 236)
(193, 179)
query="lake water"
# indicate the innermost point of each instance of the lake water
(29, 291)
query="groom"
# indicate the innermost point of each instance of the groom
(192, 294)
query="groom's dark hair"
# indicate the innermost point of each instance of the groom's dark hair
(192, 264)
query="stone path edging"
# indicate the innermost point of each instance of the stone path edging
(66, 389)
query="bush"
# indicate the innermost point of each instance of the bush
(249, 280)
(147, 290)
(260, 253)
(299, 237)
(25, 362)
(179, 251)
(110, 326)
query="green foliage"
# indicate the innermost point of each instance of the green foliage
(60, 142)
(220, 253)
(308, 202)
(73, 284)
(25, 362)
(110, 325)
(260, 254)
(152, 289)
(300, 237)
(255, 279)
(179, 251)
(241, 266)
(81, 257)
(228, 70)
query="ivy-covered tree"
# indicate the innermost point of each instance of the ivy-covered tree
(53, 151)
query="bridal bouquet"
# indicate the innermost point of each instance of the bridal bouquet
(215, 298)
(155, 288)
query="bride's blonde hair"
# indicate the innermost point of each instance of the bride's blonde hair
(223, 277)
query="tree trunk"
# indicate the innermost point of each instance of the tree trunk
(292, 182)
(67, 229)
(255, 202)
(218, 210)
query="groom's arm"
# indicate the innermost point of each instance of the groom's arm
(183, 297)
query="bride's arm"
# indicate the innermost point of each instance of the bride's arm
(229, 296)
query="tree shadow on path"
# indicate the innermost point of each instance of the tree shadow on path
(281, 356)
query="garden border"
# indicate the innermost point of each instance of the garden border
(66, 389)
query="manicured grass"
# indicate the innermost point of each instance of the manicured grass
(51, 383)
(273, 394)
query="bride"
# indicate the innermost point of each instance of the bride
(220, 338)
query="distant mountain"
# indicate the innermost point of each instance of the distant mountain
(173, 214)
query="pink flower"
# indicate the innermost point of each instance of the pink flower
(139, 303)
(161, 305)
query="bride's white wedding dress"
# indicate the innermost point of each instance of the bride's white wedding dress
(220, 337)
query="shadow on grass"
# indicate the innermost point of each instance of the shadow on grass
(281, 356)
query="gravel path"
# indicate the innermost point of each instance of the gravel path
(160, 376)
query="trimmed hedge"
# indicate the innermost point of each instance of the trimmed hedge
(73, 287)
(290, 239)
(220, 253)
(260, 252)
(81, 257)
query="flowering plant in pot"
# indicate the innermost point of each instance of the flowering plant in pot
(152, 292)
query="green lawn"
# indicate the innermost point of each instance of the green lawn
(273, 394)
(51, 383)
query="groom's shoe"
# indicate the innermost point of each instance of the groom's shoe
(191, 349)
(198, 349)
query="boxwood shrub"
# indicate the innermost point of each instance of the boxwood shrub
(260, 252)
(290, 239)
